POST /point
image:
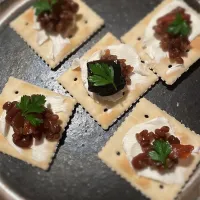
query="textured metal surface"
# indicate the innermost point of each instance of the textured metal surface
(9, 9)
(76, 172)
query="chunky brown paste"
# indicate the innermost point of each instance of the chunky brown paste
(145, 140)
(61, 20)
(24, 132)
(176, 45)
(127, 70)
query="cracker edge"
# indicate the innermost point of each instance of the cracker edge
(106, 127)
(70, 101)
(100, 156)
(127, 35)
(56, 64)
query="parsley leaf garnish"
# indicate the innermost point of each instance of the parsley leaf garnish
(33, 120)
(179, 26)
(32, 104)
(102, 75)
(43, 5)
(161, 151)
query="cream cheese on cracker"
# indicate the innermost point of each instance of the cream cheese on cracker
(132, 148)
(122, 51)
(39, 148)
(152, 45)
(58, 42)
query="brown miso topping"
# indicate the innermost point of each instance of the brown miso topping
(24, 131)
(146, 140)
(182, 151)
(173, 140)
(176, 45)
(127, 70)
(140, 161)
(60, 19)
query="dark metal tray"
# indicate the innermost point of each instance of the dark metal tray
(76, 172)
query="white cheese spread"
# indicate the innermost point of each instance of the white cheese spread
(122, 51)
(57, 104)
(58, 42)
(132, 148)
(152, 44)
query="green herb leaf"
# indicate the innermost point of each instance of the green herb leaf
(36, 104)
(53, 2)
(161, 151)
(32, 104)
(23, 105)
(102, 75)
(179, 26)
(43, 5)
(154, 155)
(33, 120)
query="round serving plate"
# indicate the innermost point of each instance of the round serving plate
(76, 172)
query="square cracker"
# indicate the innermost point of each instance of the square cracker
(134, 38)
(119, 163)
(88, 22)
(20, 87)
(96, 110)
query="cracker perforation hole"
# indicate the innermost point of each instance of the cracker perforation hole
(106, 109)
(161, 186)
(118, 153)
(86, 21)
(26, 24)
(16, 92)
(146, 116)
(75, 79)
(169, 66)
(142, 61)
(139, 38)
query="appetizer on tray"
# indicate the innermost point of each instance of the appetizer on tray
(32, 121)
(153, 151)
(108, 79)
(55, 28)
(168, 39)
